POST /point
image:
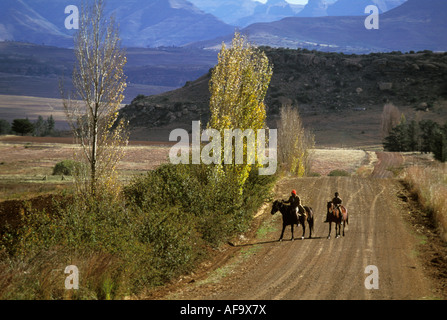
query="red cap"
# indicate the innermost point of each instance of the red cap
(294, 192)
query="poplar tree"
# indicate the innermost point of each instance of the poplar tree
(92, 112)
(238, 86)
(294, 142)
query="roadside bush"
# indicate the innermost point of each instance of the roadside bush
(213, 201)
(157, 229)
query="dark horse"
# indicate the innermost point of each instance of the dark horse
(339, 216)
(290, 218)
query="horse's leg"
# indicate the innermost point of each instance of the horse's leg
(330, 227)
(338, 224)
(311, 227)
(282, 232)
(304, 228)
(291, 226)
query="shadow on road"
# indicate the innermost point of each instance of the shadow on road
(271, 241)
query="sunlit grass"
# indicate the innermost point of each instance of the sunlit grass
(429, 184)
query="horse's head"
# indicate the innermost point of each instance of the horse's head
(275, 206)
(330, 206)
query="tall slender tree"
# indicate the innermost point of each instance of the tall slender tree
(92, 111)
(294, 142)
(238, 86)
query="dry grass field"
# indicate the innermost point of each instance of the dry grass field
(26, 163)
(324, 161)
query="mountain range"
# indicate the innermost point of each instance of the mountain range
(156, 23)
(414, 25)
(20, 22)
(357, 8)
(142, 23)
(245, 12)
(321, 8)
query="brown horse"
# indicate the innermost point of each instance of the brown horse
(338, 216)
(291, 218)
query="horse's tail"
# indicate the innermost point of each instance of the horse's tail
(310, 217)
(347, 217)
(312, 223)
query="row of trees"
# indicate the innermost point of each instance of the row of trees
(39, 128)
(424, 136)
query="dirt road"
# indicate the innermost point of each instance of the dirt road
(318, 268)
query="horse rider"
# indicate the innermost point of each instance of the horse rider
(337, 202)
(295, 203)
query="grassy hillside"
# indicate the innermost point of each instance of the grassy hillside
(339, 96)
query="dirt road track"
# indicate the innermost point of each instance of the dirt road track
(327, 269)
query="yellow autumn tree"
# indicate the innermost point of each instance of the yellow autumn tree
(294, 142)
(238, 86)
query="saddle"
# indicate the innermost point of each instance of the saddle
(303, 213)
(338, 208)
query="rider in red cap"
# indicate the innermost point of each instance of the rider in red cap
(295, 202)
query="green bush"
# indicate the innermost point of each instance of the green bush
(66, 167)
(214, 202)
(338, 173)
(157, 230)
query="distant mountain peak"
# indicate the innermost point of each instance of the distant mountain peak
(183, 4)
(314, 8)
(357, 7)
(414, 25)
(142, 23)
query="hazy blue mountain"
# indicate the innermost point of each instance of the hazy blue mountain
(314, 8)
(321, 8)
(229, 11)
(19, 21)
(272, 10)
(244, 12)
(167, 23)
(357, 7)
(142, 23)
(415, 25)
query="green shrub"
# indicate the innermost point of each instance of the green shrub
(314, 174)
(157, 230)
(338, 173)
(66, 167)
